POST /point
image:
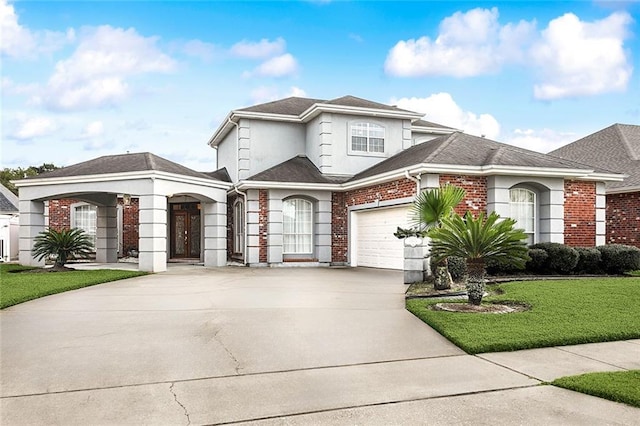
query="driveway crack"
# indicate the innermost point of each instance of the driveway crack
(175, 397)
(238, 367)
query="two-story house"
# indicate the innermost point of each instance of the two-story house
(327, 182)
(318, 182)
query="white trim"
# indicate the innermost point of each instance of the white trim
(433, 130)
(111, 177)
(622, 190)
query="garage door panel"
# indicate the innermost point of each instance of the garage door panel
(375, 244)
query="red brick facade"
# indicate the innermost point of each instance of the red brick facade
(475, 199)
(339, 229)
(401, 188)
(623, 219)
(263, 200)
(579, 213)
(60, 218)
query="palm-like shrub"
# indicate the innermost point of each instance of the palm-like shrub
(428, 211)
(63, 245)
(479, 240)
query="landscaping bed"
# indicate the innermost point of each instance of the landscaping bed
(561, 312)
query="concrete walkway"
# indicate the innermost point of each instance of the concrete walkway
(275, 346)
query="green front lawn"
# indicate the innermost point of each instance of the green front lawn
(19, 287)
(619, 386)
(563, 312)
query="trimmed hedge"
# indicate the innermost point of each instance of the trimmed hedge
(589, 261)
(619, 258)
(561, 259)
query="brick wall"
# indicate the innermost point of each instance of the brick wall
(401, 188)
(339, 230)
(579, 213)
(130, 216)
(623, 219)
(60, 218)
(263, 201)
(475, 188)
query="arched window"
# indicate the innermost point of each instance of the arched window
(83, 216)
(367, 137)
(522, 203)
(297, 232)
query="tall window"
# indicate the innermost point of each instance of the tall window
(367, 137)
(238, 227)
(297, 233)
(84, 217)
(523, 209)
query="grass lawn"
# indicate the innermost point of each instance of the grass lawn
(563, 312)
(619, 386)
(19, 287)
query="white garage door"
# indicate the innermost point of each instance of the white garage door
(373, 243)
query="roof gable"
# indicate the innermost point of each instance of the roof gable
(615, 148)
(295, 170)
(8, 201)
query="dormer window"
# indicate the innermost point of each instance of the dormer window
(367, 138)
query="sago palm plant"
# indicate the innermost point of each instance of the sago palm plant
(62, 244)
(428, 211)
(479, 240)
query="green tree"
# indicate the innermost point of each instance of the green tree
(479, 240)
(7, 174)
(63, 245)
(428, 211)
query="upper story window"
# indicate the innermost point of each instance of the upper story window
(522, 203)
(367, 137)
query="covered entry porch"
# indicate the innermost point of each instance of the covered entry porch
(159, 185)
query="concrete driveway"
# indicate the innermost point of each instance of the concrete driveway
(206, 346)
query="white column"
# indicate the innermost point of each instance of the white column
(215, 234)
(153, 233)
(107, 232)
(252, 256)
(601, 215)
(274, 228)
(31, 224)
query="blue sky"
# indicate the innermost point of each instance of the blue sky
(85, 79)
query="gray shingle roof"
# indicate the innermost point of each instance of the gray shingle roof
(296, 106)
(615, 148)
(466, 150)
(298, 169)
(220, 174)
(123, 163)
(424, 123)
(8, 201)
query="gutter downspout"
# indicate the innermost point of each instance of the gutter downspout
(237, 191)
(415, 179)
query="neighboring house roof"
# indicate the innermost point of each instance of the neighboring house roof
(8, 201)
(429, 124)
(461, 149)
(122, 163)
(616, 148)
(300, 110)
(296, 170)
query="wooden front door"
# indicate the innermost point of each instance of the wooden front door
(185, 230)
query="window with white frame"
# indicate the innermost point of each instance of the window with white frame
(84, 217)
(238, 227)
(297, 232)
(522, 203)
(367, 137)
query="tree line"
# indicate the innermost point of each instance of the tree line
(8, 174)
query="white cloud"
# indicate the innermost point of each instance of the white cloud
(260, 49)
(17, 41)
(264, 94)
(578, 58)
(95, 74)
(27, 128)
(543, 140)
(442, 109)
(9, 87)
(468, 44)
(93, 129)
(280, 66)
(199, 49)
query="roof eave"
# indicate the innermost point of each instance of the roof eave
(319, 108)
(434, 130)
(254, 184)
(622, 190)
(112, 177)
